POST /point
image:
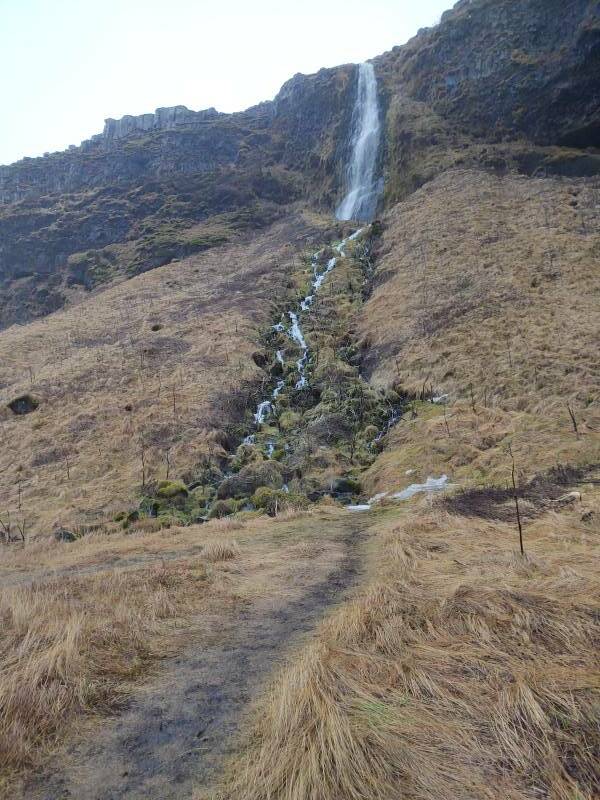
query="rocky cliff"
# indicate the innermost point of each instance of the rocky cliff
(501, 68)
(499, 84)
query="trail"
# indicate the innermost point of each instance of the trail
(175, 733)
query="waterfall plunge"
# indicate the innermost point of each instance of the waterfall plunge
(361, 201)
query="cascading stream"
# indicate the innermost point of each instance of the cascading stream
(363, 188)
(294, 332)
(360, 203)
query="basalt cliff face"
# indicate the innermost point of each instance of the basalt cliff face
(503, 85)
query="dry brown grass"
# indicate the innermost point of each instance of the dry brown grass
(464, 671)
(490, 283)
(82, 622)
(72, 646)
(106, 380)
(220, 550)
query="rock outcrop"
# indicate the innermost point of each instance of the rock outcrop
(162, 119)
(500, 68)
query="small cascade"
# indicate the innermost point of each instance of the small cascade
(295, 333)
(262, 412)
(363, 188)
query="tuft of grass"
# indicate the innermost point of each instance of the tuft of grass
(219, 550)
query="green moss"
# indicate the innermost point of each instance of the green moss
(173, 517)
(370, 432)
(170, 489)
(273, 500)
(289, 420)
(203, 494)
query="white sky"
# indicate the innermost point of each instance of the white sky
(66, 65)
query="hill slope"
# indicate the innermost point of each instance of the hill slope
(196, 276)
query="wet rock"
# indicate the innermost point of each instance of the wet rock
(64, 535)
(249, 479)
(25, 404)
(344, 486)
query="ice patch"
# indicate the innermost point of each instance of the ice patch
(430, 485)
(377, 497)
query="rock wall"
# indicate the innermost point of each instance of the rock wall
(162, 119)
(507, 68)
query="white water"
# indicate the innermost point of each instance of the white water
(262, 412)
(295, 333)
(363, 189)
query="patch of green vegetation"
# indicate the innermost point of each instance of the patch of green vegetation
(317, 440)
(273, 500)
(169, 489)
(223, 508)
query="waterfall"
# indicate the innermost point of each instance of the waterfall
(363, 189)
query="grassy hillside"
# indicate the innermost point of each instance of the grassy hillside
(155, 368)
(457, 335)
(486, 292)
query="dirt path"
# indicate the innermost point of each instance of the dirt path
(175, 733)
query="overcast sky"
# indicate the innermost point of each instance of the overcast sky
(66, 65)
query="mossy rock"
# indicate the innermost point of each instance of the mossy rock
(370, 432)
(345, 486)
(222, 508)
(203, 494)
(273, 500)
(329, 428)
(246, 454)
(170, 489)
(265, 473)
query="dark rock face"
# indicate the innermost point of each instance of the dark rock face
(493, 85)
(499, 68)
(131, 198)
